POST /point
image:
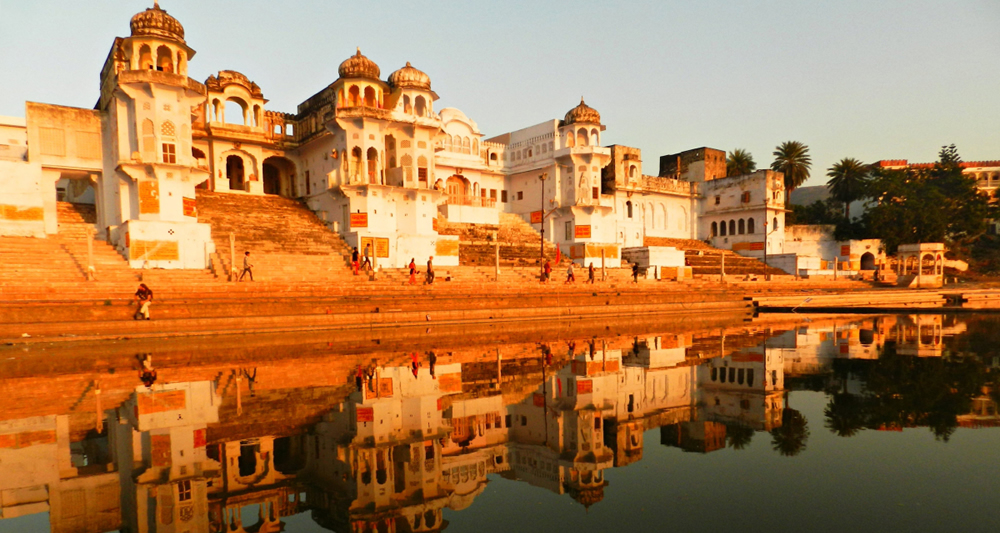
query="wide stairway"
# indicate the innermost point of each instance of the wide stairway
(708, 261)
(286, 240)
(518, 240)
(60, 261)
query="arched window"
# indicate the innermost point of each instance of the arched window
(732, 227)
(420, 106)
(628, 208)
(594, 137)
(235, 112)
(493, 157)
(631, 171)
(569, 139)
(407, 108)
(741, 228)
(372, 159)
(370, 97)
(353, 96)
(775, 224)
(750, 229)
(715, 229)
(145, 58)
(356, 164)
(581, 137)
(722, 228)
(164, 59)
(422, 170)
(466, 146)
(475, 146)
(663, 217)
(407, 163)
(256, 116)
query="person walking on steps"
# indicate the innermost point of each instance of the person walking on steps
(635, 272)
(367, 265)
(354, 261)
(546, 271)
(147, 374)
(570, 277)
(145, 297)
(413, 271)
(247, 267)
(430, 270)
(590, 273)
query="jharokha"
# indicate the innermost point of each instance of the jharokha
(372, 157)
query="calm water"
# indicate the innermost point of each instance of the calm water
(832, 424)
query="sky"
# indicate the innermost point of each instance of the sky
(870, 80)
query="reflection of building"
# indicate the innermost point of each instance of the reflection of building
(42, 471)
(159, 446)
(923, 335)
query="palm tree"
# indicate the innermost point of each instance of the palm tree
(790, 438)
(792, 159)
(738, 436)
(739, 162)
(848, 182)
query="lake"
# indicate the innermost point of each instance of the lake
(779, 423)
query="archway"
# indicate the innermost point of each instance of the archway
(458, 189)
(372, 158)
(235, 172)
(867, 261)
(279, 177)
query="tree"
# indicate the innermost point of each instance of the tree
(792, 159)
(937, 204)
(738, 436)
(790, 439)
(740, 162)
(848, 182)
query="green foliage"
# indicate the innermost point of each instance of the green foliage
(818, 212)
(740, 162)
(790, 439)
(848, 182)
(738, 436)
(939, 204)
(792, 159)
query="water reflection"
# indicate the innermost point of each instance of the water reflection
(394, 439)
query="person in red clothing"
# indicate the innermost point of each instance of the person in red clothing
(414, 363)
(354, 261)
(546, 271)
(359, 378)
(413, 271)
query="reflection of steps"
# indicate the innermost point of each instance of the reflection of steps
(706, 260)
(286, 241)
(519, 242)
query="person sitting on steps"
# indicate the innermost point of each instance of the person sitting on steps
(145, 297)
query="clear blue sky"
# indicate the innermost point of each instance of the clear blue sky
(865, 79)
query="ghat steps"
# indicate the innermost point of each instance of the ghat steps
(705, 260)
(286, 240)
(518, 242)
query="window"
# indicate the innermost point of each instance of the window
(493, 194)
(503, 196)
(520, 195)
(569, 230)
(628, 209)
(715, 231)
(308, 184)
(741, 227)
(775, 224)
(745, 197)
(597, 193)
(170, 153)
(184, 490)
(722, 228)
(717, 199)
(732, 227)
(750, 228)
(422, 174)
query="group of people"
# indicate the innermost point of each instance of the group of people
(357, 265)
(570, 273)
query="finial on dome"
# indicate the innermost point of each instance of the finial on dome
(408, 64)
(359, 52)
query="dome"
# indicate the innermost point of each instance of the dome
(582, 113)
(156, 22)
(410, 77)
(359, 66)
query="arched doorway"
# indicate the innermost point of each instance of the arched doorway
(458, 189)
(867, 261)
(235, 172)
(279, 177)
